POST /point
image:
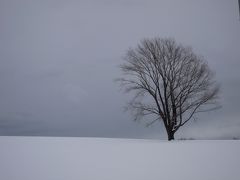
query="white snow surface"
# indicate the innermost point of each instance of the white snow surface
(58, 158)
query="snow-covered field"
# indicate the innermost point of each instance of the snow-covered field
(45, 158)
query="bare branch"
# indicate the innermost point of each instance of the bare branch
(169, 81)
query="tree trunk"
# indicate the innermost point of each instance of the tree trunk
(170, 135)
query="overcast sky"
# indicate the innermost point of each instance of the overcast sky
(59, 59)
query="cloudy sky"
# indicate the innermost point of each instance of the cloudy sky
(59, 59)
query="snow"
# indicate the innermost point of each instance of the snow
(58, 158)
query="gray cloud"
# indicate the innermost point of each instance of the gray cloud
(59, 59)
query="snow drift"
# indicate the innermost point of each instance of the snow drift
(44, 158)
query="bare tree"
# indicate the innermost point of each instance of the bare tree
(170, 83)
